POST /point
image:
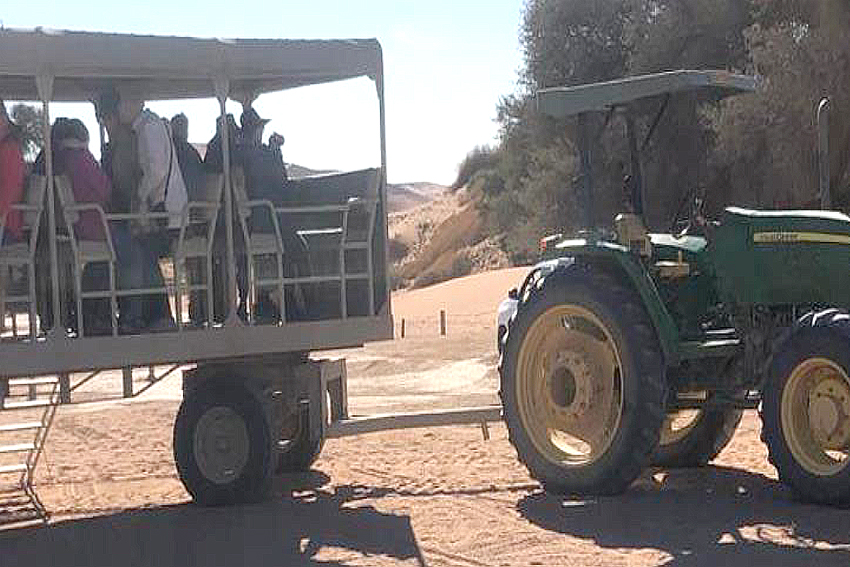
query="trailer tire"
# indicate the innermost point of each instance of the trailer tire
(221, 445)
(302, 451)
(576, 299)
(706, 437)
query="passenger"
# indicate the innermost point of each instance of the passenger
(191, 164)
(12, 174)
(72, 158)
(266, 179)
(120, 156)
(160, 188)
(213, 161)
(192, 168)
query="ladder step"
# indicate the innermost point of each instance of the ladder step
(27, 426)
(27, 404)
(21, 426)
(9, 469)
(18, 448)
(20, 518)
(33, 381)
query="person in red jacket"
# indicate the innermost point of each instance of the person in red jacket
(12, 173)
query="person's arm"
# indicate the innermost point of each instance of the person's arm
(153, 161)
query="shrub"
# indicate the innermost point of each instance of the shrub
(479, 159)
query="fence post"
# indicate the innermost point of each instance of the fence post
(127, 374)
(402, 327)
(442, 322)
(65, 388)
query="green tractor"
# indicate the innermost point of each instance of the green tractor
(629, 349)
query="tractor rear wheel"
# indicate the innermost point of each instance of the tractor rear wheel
(693, 438)
(582, 384)
(806, 411)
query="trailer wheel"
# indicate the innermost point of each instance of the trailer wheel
(221, 445)
(582, 384)
(298, 451)
(693, 438)
(806, 412)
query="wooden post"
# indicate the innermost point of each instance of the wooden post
(127, 373)
(442, 322)
(402, 327)
(64, 388)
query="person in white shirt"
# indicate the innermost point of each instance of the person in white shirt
(161, 186)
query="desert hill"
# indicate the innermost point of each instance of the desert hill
(441, 239)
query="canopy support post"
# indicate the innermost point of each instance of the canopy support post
(382, 113)
(44, 83)
(636, 173)
(585, 186)
(222, 88)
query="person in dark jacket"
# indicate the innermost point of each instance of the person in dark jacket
(188, 158)
(266, 179)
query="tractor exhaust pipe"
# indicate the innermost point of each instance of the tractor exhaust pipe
(823, 153)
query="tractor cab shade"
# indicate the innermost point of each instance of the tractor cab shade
(562, 102)
(621, 94)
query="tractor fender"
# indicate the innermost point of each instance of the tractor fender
(574, 253)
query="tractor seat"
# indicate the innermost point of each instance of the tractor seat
(632, 233)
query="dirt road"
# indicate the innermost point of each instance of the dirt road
(434, 497)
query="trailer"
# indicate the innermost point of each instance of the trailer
(255, 403)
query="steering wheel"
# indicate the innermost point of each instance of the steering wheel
(695, 197)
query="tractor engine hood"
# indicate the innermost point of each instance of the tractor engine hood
(783, 257)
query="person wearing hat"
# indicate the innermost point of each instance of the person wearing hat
(266, 179)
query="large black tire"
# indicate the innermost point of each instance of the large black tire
(641, 372)
(302, 450)
(821, 339)
(247, 483)
(709, 434)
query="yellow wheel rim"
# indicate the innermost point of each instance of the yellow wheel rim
(815, 416)
(569, 385)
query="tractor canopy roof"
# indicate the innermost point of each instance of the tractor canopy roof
(81, 64)
(562, 102)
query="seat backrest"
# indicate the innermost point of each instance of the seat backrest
(361, 216)
(34, 197)
(240, 192)
(210, 191)
(66, 199)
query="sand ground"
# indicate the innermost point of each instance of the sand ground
(440, 496)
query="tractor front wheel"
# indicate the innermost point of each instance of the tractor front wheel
(806, 413)
(582, 384)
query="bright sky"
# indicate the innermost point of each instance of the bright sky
(447, 63)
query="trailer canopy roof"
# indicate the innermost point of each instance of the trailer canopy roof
(568, 101)
(82, 64)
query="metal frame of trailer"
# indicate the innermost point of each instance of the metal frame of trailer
(253, 388)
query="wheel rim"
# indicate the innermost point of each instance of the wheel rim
(221, 445)
(815, 416)
(569, 385)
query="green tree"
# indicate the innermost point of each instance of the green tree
(30, 122)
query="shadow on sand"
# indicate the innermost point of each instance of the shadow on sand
(290, 529)
(703, 517)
